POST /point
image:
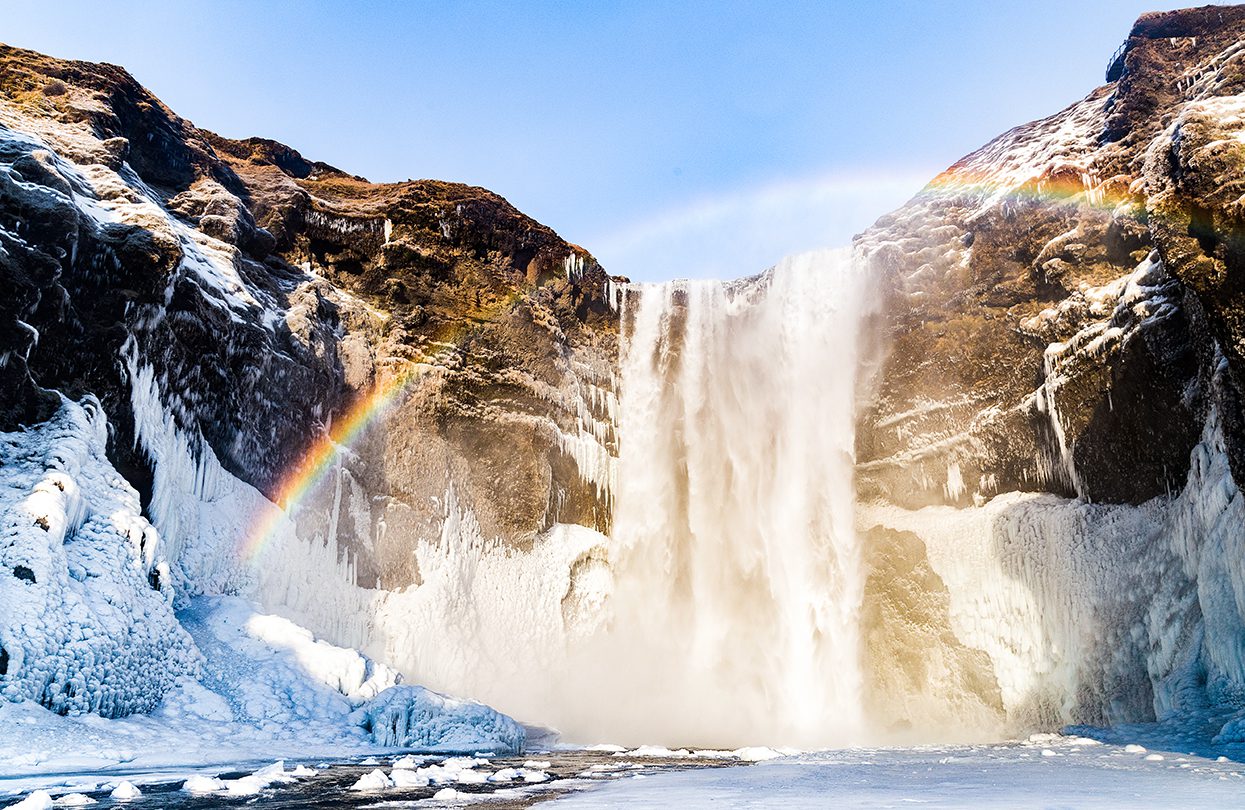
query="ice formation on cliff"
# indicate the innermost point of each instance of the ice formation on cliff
(86, 602)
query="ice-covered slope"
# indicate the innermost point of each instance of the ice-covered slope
(86, 605)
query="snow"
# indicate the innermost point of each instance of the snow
(376, 780)
(39, 800)
(987, 776)
(126, 791)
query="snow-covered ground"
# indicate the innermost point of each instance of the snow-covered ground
(269, 690)
(1046, 772)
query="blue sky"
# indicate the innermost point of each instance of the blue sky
(671, 139)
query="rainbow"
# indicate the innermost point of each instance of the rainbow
(319, 459)
(1070, 186)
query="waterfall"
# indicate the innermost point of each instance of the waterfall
(723, 609)
(737, 582)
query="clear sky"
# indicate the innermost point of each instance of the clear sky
(671, 139)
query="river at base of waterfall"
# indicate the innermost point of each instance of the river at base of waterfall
(1047, 770)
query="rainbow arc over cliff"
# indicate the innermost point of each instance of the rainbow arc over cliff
(320, 458)
(1070, 186)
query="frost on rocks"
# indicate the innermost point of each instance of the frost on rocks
(414, 717)
(86, 608)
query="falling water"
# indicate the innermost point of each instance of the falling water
(737, 579)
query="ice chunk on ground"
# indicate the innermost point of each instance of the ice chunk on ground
(203, 784)
(74, 800)
(409, 761)
(414, 717)
(39, 800)
(404, 777)
(376, 780)
(757, 753)
(658, 751)
(125, 791)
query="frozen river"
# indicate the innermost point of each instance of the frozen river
(1043, 772)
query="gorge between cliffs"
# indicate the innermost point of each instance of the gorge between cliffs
(296, 465)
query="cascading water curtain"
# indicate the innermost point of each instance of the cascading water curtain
(737, 582)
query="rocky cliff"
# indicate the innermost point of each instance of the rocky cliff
(1062, 315)
(224, 304)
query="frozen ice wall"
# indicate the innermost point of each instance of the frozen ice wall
(86, 602)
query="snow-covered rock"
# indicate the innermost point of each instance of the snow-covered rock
(39, 800)
(414, 717)
(375, 780)
(125, 792)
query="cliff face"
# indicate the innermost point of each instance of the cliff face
(1057, 403)
(1033, 341)
(229, 302)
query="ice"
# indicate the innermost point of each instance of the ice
(86, 606)
(449, 795)
(1065, 597)
(402, 777)
(39, 800)
(269, 688)
(203, 784)
(74, 800)
(254, 783)
(757, 754)
(984, 776)
(657, 751)
(125, 792)
(414, 717)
